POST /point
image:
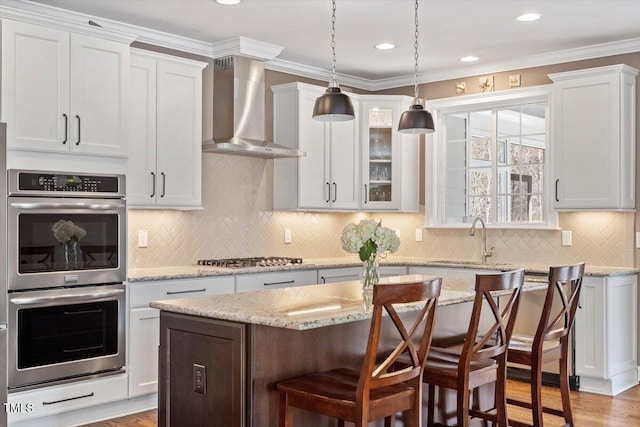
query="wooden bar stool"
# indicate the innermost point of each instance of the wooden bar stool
(550, 342)
(376, 391)
(482, 359)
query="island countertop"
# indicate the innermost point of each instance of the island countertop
(313, 306)
(198, 271)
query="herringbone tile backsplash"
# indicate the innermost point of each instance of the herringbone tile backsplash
(237, 221)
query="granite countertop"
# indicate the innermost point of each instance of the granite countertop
(194, 271)
(313, 306)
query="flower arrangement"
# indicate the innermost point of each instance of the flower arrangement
(65, 231)
(369, 238)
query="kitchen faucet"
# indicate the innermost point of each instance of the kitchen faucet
(485, 254)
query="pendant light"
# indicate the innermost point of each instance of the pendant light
(416, 119)
(333, 105)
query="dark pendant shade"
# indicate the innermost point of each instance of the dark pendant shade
(333, 106)
(416, 120)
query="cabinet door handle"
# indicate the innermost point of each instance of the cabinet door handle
(328, 193)
(153, 187)
(365, 193)
(66, 128)
(335, 192)
(286, 282)
(68, 399)
(323, 279)
(189, 291)
(79, 129)
(557, 181)
(164, 184)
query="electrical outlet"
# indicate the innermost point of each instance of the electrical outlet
(287, 235)
(143, 238)
(199, 378)
(418, 234)
(397, 230)
(566, 238)
(638, 240)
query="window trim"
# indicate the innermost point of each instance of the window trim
(435, 169)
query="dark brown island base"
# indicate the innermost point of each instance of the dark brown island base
(222, 356)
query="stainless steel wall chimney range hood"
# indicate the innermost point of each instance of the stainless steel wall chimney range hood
(238, 111)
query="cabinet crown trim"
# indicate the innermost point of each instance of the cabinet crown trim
(64, 24)
(165, 57)
(590, 72)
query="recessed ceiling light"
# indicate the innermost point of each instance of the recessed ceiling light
(227, 2)
(385, 46)
(528, 17)
(469, 58)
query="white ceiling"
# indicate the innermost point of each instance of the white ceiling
(449, 29)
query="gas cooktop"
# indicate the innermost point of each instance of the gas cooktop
(250, 262)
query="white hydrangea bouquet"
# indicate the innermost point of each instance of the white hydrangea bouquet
(65, 231)
(68, 234)
(369, 239)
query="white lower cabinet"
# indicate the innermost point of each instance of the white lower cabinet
(462, 272)
(606, 334)
(345, 274)
(144, 323)
(276, 279)
(341, 274)
(49, 401)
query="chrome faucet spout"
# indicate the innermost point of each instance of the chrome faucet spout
(485, 253)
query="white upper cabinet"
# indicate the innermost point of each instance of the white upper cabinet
(64, 91)
(326, 178)
(594, 138)
(349, 166)
(390, 160)
(165, 161)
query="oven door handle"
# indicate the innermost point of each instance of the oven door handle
(84, 296)
(41, 205)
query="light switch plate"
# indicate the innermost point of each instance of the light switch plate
(143, 238)
(287, 235)
(418, 234)
(638, 240)
(566, 238)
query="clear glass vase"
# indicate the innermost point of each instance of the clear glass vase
(370, 275)
(71, 254)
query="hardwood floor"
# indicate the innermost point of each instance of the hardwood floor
(588, 409)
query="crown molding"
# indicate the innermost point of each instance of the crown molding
(245, 47)
(316, 73)
(268, 52)
(82, 26)
(570, 55)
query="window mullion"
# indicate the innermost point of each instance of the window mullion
(494, 167)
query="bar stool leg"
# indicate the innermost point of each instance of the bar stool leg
(463, 407)
(536, 396)
(500, 395)
(284, 415)
(564, 386)
(431, 408)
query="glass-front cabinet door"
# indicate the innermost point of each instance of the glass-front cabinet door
(381, 155)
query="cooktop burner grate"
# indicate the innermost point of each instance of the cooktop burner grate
(250, 262)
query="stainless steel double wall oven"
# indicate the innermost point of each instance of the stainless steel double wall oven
(66, 273)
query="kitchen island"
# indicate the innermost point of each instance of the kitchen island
(221, 356)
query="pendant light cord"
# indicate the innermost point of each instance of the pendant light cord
(333, 82)
(415, 47)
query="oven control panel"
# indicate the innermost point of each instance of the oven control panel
(45, 182)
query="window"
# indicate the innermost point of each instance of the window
(489, 159)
